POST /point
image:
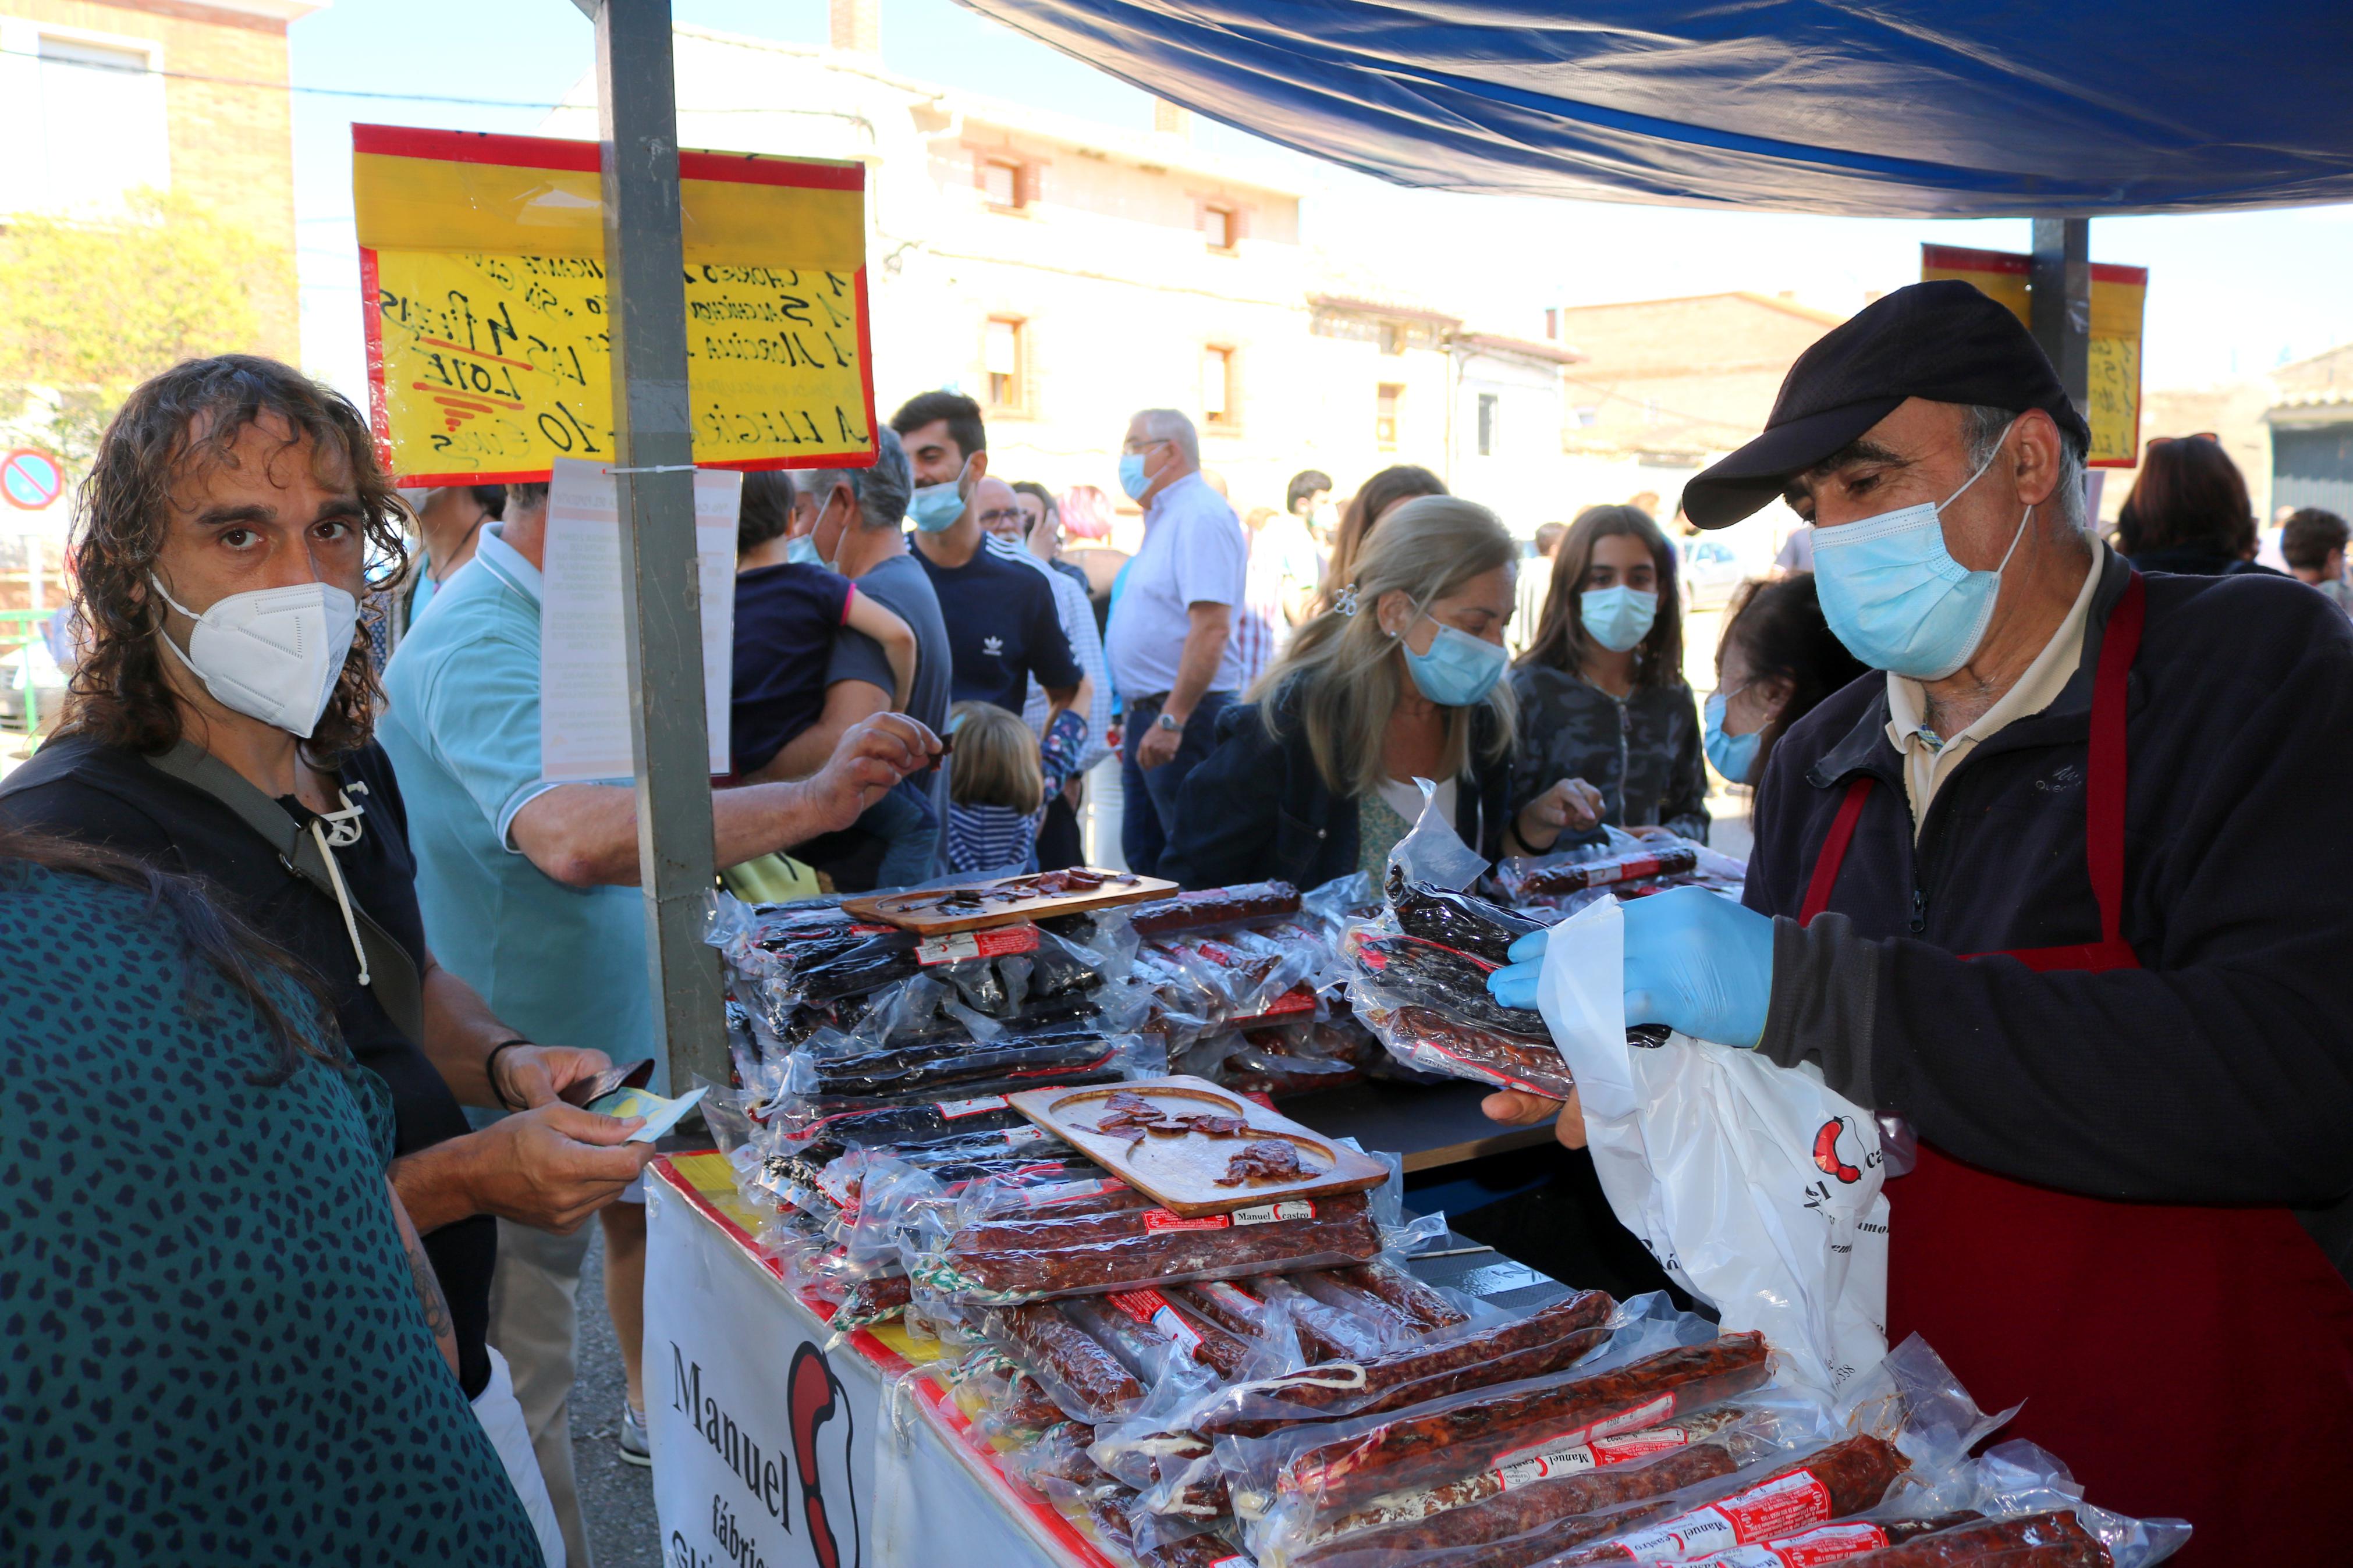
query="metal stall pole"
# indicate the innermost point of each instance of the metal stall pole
(2060, 301)
(662, 605)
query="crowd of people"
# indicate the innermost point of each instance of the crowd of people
(289, 870)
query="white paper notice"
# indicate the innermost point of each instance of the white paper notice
(583, 672)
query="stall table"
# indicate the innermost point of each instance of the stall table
(776, 1442)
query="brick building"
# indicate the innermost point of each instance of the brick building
(101, 97)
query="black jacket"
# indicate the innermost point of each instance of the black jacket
(1257, 808)
(2221, 1072)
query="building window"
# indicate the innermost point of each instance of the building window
(1487, 423)
(1385, 415)
(1005, 356)
(1552, 326)
(1221, 401)
(1002, 184)
(1585, 415)
(82, 117)
(1222, 225)
(1392, 337)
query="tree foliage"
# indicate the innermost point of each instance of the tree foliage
(91, 308)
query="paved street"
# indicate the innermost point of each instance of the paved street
(618, 1498)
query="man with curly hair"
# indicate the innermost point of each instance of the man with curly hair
(221, 724)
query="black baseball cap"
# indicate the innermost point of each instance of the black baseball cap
(1945, 341)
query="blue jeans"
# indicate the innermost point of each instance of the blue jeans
(1148, 805)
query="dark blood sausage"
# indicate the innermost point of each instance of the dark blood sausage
(1214, 907)
(1667, 860)
(1064, 1351)
(1400, 1289)
(867, 964)
(872, 1301)
(1143, 1246)
(1456, 920)
(1268, 1159)
(867, 1121)
(1417, 1450)
(907, 1067)
(2056, 1539)
(1453, 985)
(1845, 1478)
(1530, 1523)
(1541, 1343)
(1532, 1061)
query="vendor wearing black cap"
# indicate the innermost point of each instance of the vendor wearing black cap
(2069, 887)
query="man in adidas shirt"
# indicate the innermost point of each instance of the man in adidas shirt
(1002, 623)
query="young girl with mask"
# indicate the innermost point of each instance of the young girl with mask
(1776, 659)
(1601, 692)
(1401, 678)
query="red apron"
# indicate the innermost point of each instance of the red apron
(2194, 1362)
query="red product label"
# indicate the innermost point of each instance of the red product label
(1138, 1304)
(953, 1109)
(1162, 1219)
(1260, 1098)
(958, 946)
(1778, 1507)
(1814, 1549)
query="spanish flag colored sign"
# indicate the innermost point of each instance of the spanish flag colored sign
(482, 268)
(2118, 296)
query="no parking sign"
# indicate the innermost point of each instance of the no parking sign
(31, 479)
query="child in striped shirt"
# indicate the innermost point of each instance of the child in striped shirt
(1001, 777)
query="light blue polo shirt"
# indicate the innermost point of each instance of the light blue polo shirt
(566, 966)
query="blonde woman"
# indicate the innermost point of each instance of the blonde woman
(1401, 678)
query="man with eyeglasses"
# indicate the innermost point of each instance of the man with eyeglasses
(1171, 645)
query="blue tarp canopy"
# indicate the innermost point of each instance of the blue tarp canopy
(1907, 108)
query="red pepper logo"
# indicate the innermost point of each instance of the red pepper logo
(1826, 1154)
(811, 1387)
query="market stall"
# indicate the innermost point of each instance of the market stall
(1015, 1257)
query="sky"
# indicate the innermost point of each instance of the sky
(2231, 294)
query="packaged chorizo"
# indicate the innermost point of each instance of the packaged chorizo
(1547, 876)
(1077, 1371)
(1366, 1457)
(1828, 1543)
(1545, 1342)
(1422, 1304)
(2052, 1539)
(1843, 1479)
(1428, 1040)
(998, 1261)
(1000, 1396)
(847, 1067)
(1525, 1511)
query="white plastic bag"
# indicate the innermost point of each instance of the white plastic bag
(1754, 1186)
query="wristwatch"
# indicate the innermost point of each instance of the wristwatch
(1169, 722)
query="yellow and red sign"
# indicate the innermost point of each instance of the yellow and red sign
(482, 268)
(2118, 296)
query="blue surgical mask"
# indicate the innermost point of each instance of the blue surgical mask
(1618, 618)
(1734, 755)
(1896, 597)
(933, 508)
(1458, 670)
(1132, 478)
(802, 551)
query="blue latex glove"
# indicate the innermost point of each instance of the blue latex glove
(1694, 962)
(1698, 962)
(1514, 985)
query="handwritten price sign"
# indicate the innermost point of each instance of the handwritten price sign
(2118, 296)
(482, 267)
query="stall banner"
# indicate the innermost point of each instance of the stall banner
(777, 1442)
(2118, 296)
(482, 281)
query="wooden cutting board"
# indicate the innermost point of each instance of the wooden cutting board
(1181, 1166)
(920, 912)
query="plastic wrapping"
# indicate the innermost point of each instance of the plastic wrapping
(1426, 1002)
(1011, 1260)
(1209, 907)
(838, 1067)
(1338, 1467)
(1454, 919)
